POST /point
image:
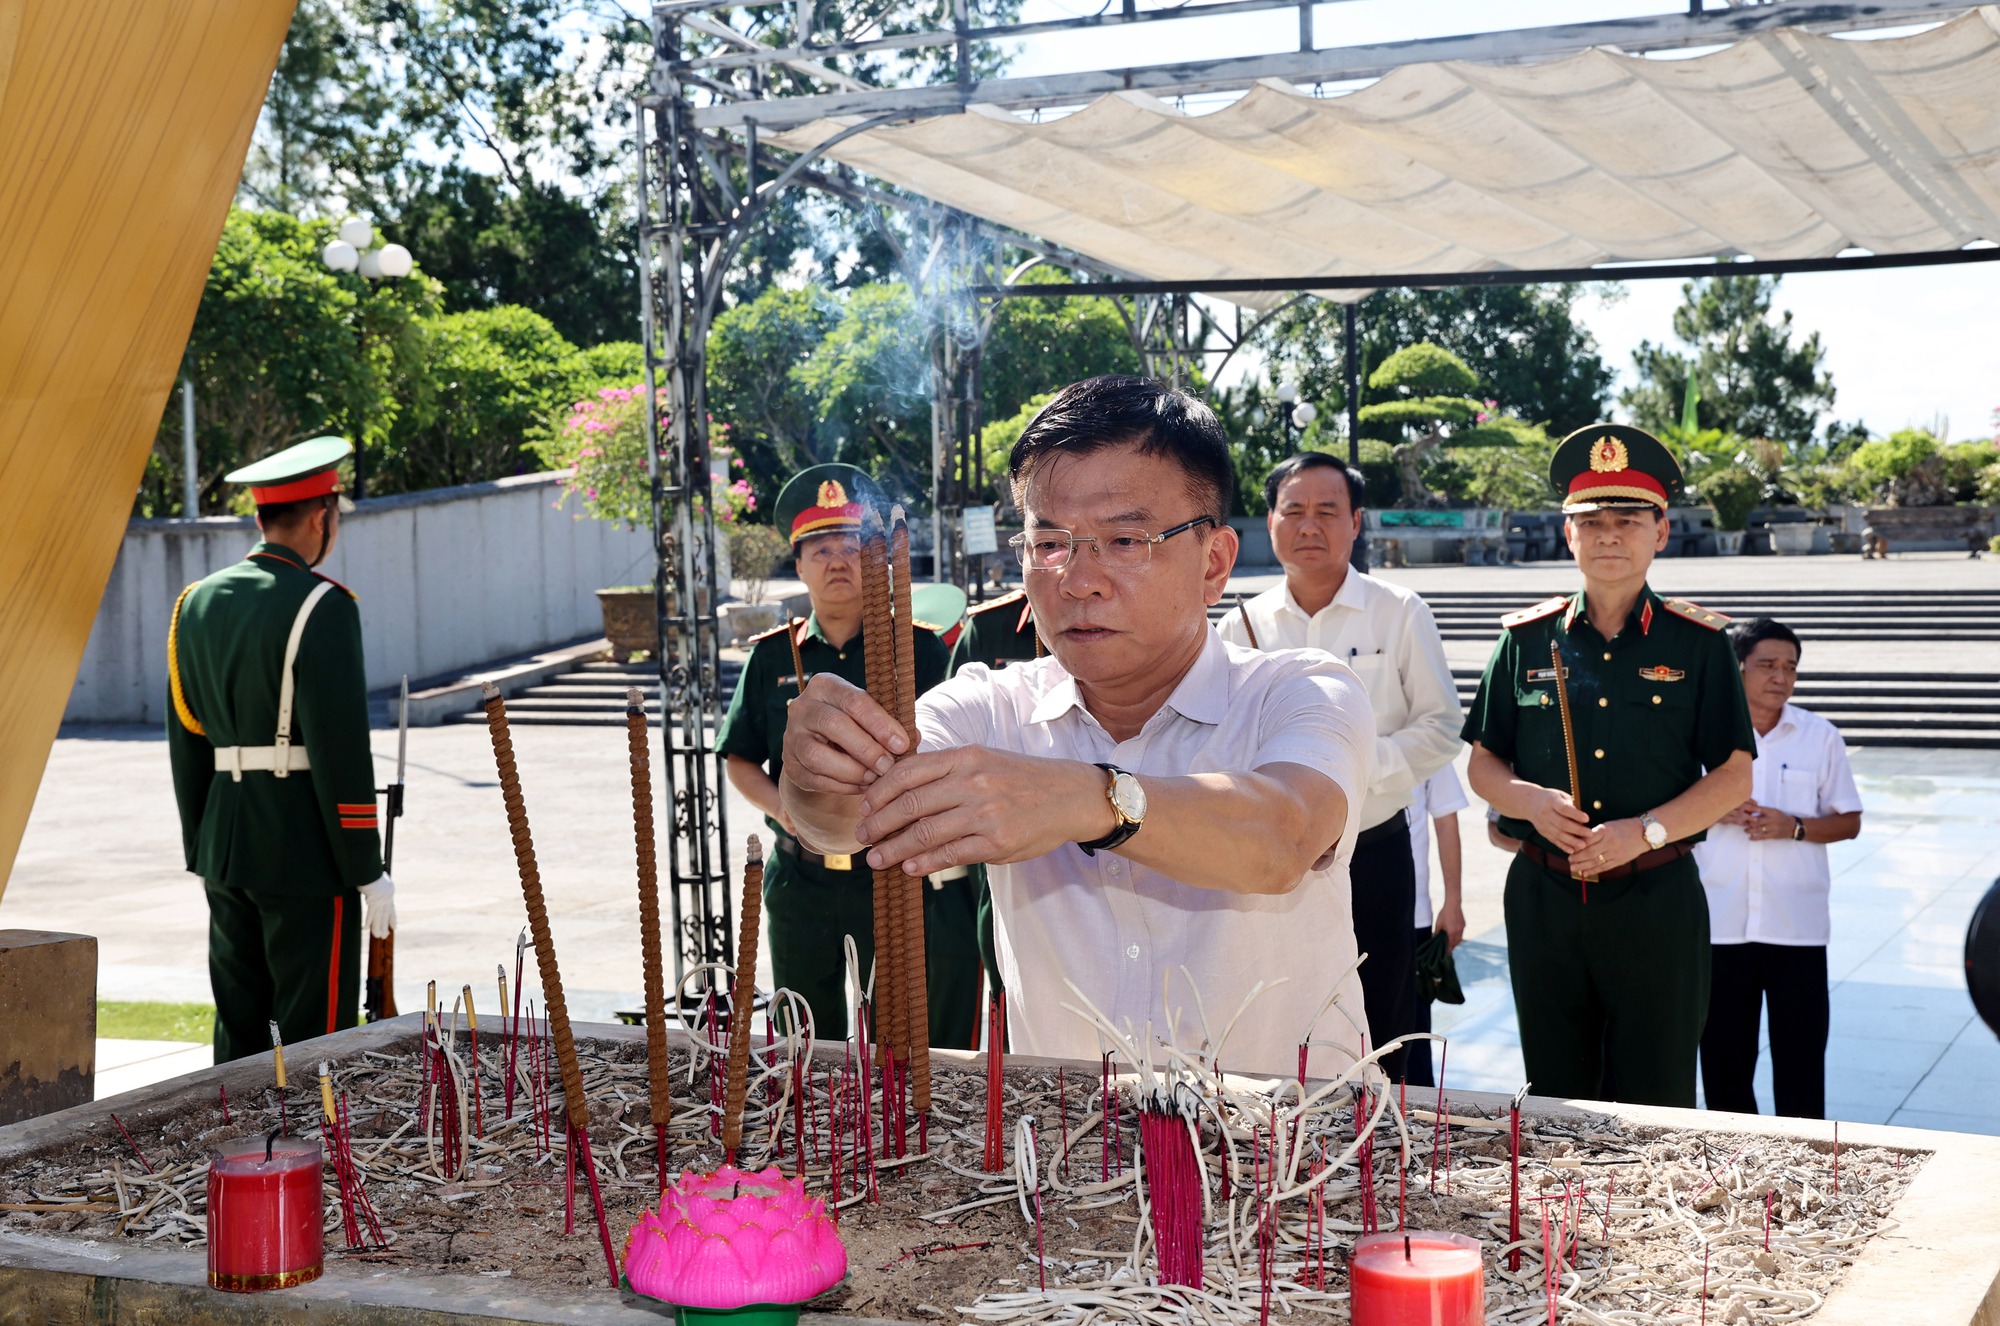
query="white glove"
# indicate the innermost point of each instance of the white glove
(379, 906)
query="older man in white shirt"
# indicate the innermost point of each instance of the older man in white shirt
(1765, 870)
(1150, 798)
(1387, 634)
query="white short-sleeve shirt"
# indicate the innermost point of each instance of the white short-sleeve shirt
(1440, 794)
(1776, 892)
(1118, 929)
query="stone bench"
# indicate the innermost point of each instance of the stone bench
(1932, 528)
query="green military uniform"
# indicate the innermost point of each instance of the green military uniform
(996, 633)
(1610, 975)
(812, 902)
(279, 824)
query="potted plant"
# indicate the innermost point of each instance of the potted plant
(602, 442)
(1733, 492)
(755, 553)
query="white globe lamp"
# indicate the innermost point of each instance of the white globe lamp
(357, 232)
(393, 261)
(1287, 392)
(1304, 413)
(340, 256)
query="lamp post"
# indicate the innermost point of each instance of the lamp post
(349, 252)
(1298, 414)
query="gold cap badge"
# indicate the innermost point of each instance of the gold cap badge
(1608, 455)
(831, 494)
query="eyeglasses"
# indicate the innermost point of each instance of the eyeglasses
(1125, 549)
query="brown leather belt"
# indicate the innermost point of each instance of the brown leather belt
(1652, 860)
(790, 847)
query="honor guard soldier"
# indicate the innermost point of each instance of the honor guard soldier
(813, 902)
(997, 632)
(275, 782)
(1607, 925)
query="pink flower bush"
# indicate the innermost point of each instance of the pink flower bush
(730, 1239)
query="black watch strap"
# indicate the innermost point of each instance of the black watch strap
(1125, 828)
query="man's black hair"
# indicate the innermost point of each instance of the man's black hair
(1111, 410)
(1357, 486)
(1747, 633)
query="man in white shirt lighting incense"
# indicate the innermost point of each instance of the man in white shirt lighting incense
(1150, 798)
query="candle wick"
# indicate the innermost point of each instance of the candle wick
(270, 1140)
(1406, 1247)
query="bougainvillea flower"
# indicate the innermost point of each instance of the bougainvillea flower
(731, 1239)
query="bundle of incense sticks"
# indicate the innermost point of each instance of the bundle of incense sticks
(740, 998)
(900, 1001)
(658, 1086)
(1173, 1189)
(574, 1105)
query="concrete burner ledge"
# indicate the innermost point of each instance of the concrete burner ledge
(1940, 1265)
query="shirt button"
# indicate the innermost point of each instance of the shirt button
(1603, 703)
(1597, 805)
(1656, 699)
(1607, 656)
(1545, 698)
(1599, 754)
(1133, 952)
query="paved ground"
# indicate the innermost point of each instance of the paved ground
(102, 855)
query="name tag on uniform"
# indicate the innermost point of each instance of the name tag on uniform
(1540, 674)
(788, 681)
(1661, 673)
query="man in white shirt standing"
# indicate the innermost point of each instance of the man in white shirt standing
(1149, 798)
(1765, 871)
(1387, 634)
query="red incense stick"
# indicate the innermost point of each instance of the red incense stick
(134, 1145)
(1514, 1181)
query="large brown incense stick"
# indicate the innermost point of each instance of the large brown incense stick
(878, 653)
(1569, 738)
(910, 894)
(742, 995)
(555, 1010)
(661, 1088)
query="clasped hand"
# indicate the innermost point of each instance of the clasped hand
(1592, 850)
(1761, 823)
(931, 810)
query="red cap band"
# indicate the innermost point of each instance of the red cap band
(298, 490)
(1617, 483)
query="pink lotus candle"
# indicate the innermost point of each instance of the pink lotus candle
(1422, 1278)
(731, 1240)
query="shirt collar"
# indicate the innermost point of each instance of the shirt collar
(1202, 694)
(1642, 614)
(1350, 595)
(279, 552)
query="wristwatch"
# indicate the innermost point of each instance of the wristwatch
(1128, 802)
(1656, 832)
(1798, 829)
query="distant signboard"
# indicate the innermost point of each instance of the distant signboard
(980, 536)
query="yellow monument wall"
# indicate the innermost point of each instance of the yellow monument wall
(123, 128)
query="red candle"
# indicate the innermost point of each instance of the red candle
(265, 1214)
(1424, 1278)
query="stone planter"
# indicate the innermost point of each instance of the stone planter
(1729, 543)
(740, 621)
(628, 620)
(1793, 539)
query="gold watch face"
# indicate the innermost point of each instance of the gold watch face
(1128, 797)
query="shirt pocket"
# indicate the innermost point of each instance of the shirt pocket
(1795, 790)
(1379, 677)
(1538, 743)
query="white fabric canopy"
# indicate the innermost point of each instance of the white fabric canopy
(1788, 145)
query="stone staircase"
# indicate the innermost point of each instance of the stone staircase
(1871, 708)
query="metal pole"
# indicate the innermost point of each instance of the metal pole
(1352, 346)
(191, 497)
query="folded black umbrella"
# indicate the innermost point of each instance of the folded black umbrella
(1437, 974)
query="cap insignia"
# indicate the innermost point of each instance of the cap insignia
(831, 494)
(1608, 455)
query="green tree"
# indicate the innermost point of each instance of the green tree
(1523, 342)
(773, 419)
(1041, 345)
(494, 379)
(1753, 379)
(283, 349)
(871, 379)
(1423, 403)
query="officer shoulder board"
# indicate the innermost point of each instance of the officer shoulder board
(762, 636)
(1000, 602)
(932, 627)
(1547, 607)
(337, 585)
(1695, 613)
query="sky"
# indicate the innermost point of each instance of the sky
(1905, 347)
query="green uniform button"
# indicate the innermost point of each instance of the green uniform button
(1656, 699)
(1607, 656)
(1603, 703)
(1597, 805)
(1599, 754)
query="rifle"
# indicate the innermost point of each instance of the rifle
(381, 988)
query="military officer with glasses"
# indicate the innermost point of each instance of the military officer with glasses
(1166, 819)
(814, 900)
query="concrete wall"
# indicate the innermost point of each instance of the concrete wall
(447, 579)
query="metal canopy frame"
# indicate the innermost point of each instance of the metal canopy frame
(705, 182)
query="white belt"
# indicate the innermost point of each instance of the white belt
(233, 760)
